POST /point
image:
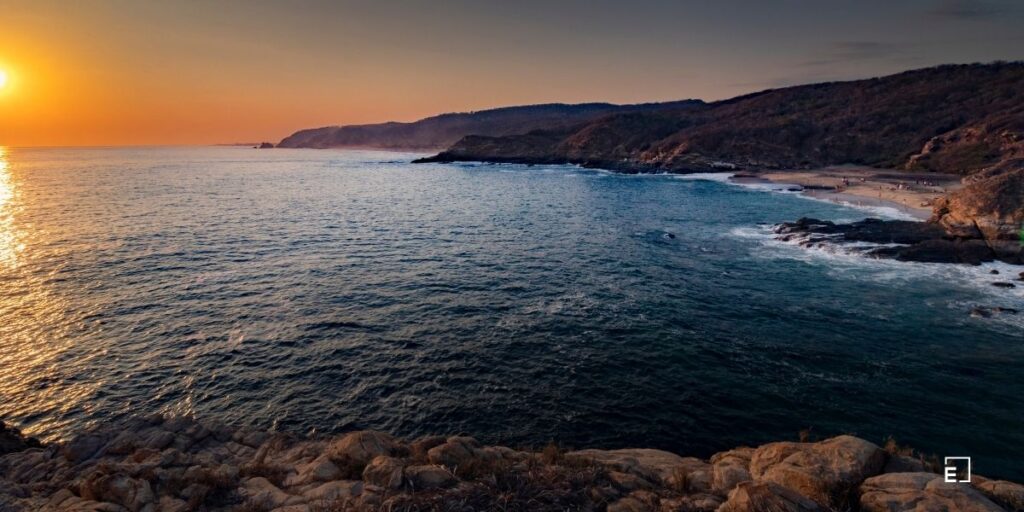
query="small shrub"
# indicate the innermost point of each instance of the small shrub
(805, 435)
(552, 454)
(894, 449)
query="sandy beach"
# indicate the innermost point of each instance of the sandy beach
(913, 193)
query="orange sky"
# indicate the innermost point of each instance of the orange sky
(121, 72)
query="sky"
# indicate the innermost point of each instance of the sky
(140, 72)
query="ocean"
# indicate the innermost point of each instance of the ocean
(322, 291)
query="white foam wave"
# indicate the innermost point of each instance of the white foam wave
(847, 262)
(721, 177)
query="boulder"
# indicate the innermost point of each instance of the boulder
(320, 469)
(83, 447)
(454, 452)
(1007, 494)
(336, 490)
(157, 439)
(766, 497)
(385, 472)
(730, 468)
(628, 482)
(260, 490)
(824, 472)
(361, 447)
(427, 477)
(897, 492)
(132, 494)
(654, 465)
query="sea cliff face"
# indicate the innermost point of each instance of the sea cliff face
(179, 464)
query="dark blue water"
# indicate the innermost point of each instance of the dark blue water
(330, 290)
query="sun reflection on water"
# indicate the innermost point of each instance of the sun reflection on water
(34, 324)
(10, 245)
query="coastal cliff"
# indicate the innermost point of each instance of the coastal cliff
(951, 119)
(963, 120)
(177, 464)
(444, 130)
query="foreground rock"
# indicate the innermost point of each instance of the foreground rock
(178, 464)
(12, 440)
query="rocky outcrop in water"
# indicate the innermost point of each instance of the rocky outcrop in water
(990, 208)
(12, 440)
(178, 464)
(901, 240)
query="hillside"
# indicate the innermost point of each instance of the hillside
(953, 119)
(444, 130)
(965, 120)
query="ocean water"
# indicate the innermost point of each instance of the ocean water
(321, 291)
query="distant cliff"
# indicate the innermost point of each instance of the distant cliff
(954, 119)
(441, 131)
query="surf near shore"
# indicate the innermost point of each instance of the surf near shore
(911, 193)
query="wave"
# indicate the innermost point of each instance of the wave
(848, 261)
(720, 177)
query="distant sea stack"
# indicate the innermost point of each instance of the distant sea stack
(265, 145)
(438, 132)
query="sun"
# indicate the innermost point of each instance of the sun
(3, 78)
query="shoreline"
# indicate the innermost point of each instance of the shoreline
(911, 193)
(177, 464)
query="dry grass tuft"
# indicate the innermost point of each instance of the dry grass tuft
(893, 448)
(552, 454)
(680, 480)
(805, 435)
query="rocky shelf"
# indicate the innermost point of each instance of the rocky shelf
(179, 464)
